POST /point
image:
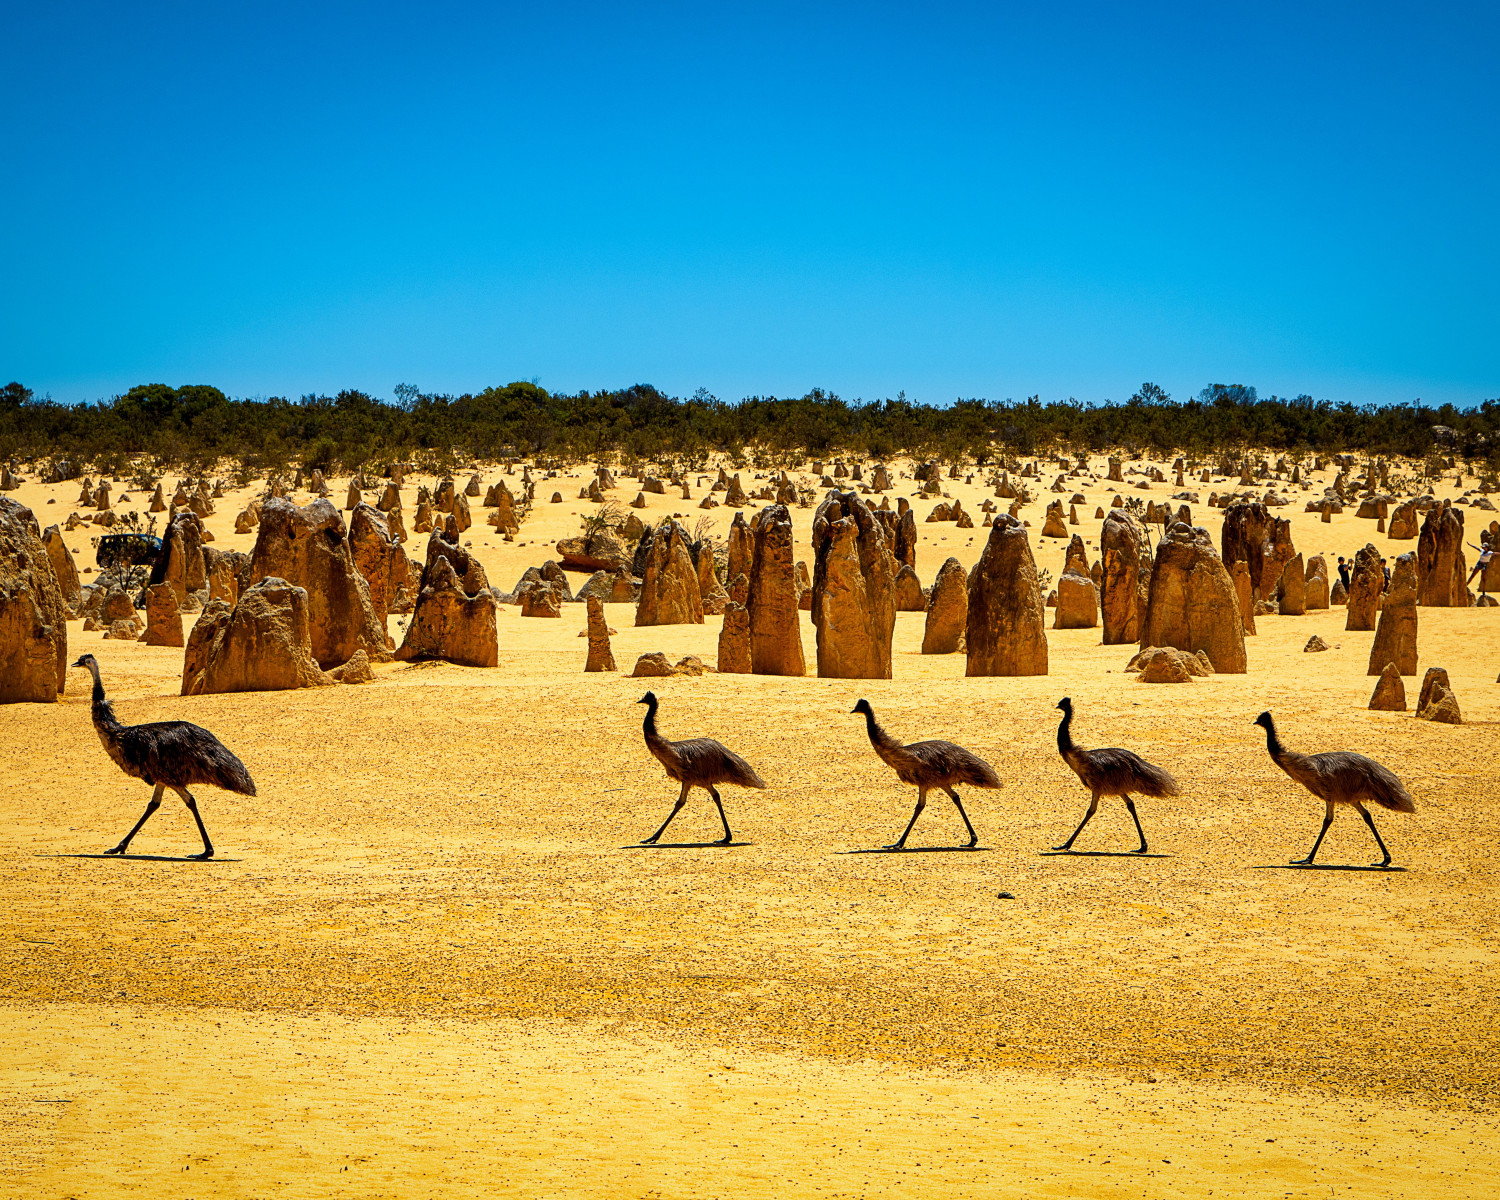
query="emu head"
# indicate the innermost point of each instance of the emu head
(1264, 720)
(863, 706)
(86, 660)
(1066, 704)
(648, 698)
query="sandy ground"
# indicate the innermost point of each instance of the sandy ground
(429, 959)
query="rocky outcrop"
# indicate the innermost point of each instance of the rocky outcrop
(33, 612)
(163, 617)
(1366, 582)
(1126, 577)
(853, 602)
(262, 644)
(448, 622)
(1403, 523)
(771, 599)
(309, 548)
(1005, 632)
(63, 567)
(734, 634)
(1291, 589)
(1440, 559)
(601, 550)
(1396, 633)
(1077, 600)
(1246, 537)
(670, 594)
(466, 567)
(601, 656)
(907, 591)
(1436, 702)
(710, 590)
(1056, 523)
(947, 610)
(1192, 603)
(1316, 579)
(1390, 693)
(379, 558)
(180, 561)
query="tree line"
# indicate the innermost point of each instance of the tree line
(196, 426)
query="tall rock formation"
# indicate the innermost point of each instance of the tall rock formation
(33, 613)
(1192, 603)
(1006, 630)
(262, 644)
(1396, 634)
(670, 594)
(1366, 582)
(853, 602)
(1441, 568)
(1126, 577)
(775, 628)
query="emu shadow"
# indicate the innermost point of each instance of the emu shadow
(918, 850)
(1317, 866)
(1098, 854)
(148, 858)
(685, 845)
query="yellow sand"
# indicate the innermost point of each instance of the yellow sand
(428, 960)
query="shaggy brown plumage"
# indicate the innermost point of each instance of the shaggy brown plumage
(1110, 771)
(1340, 777)
(928, 765)
(697, 762)
(166, 754)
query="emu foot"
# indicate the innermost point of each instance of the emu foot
(649, 841)
(202, 857)
(120, 849)
(1301, 862)
(725, 841)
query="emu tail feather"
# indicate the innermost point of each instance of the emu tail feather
(738, 771)
(1155, 781)
(1388, 791)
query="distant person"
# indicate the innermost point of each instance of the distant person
(1344, 572)
(1385, 566)
(1486, 552)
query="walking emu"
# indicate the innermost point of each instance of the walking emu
(1110, 772)
(928, 765)
(1339, 777)
(697, 762)
(166, 754)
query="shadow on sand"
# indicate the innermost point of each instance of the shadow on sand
(920, 850)
(1098, 854)
(147, 858)
(1323, 867)
(685, 845)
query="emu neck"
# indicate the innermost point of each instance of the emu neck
(1065, 733)
(103, 712)
(879, 738)
(1273, 744)
(648, 726)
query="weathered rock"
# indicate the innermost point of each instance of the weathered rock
(947, 610)
(1390, 693)
(652, 666)
(1247, 535)
(1192, 603)
(1436, 702)
(1126, 577)
(1114, 471)
(449, 623)
(1337, 594)
(541, 601)
(390, 575)
(1316, 582)
(601, 656)
(309, 547)
(853, 601)
(734, 495)
(601, 550)
(180, 561)
(1005, 632)
(1165, 667)
(907, 593)
(262, 644)
(670, 594)
(356, 670)
(771, 599)
(64, 568)
(1244, 591)
(353, 499)
(1195, 665)
(1056, 524)
(1403, 521)
(1366, 582)
(1396, 633)
(1440, 559)
(734, 634)
(33, 612)
(163, 617)
(1291, 589)
(1077, 600)
(1315, 645)
(710, 590)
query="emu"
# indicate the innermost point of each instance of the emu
(697, 762)
(1110, 772)
(1339, 777)
(928, 765)
(166, 754)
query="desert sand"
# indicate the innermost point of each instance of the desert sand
(430, 960)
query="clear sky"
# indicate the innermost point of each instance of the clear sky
(987, 199)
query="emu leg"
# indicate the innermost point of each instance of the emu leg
(676, 808)
(151, 806)
(728, 837)
(1130, 807)
(208, 846)
(916, 812)
(1087, 817)
(1370, 821)
(1311, 854)
(973, 837)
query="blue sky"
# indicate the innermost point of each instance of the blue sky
(946, 199)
